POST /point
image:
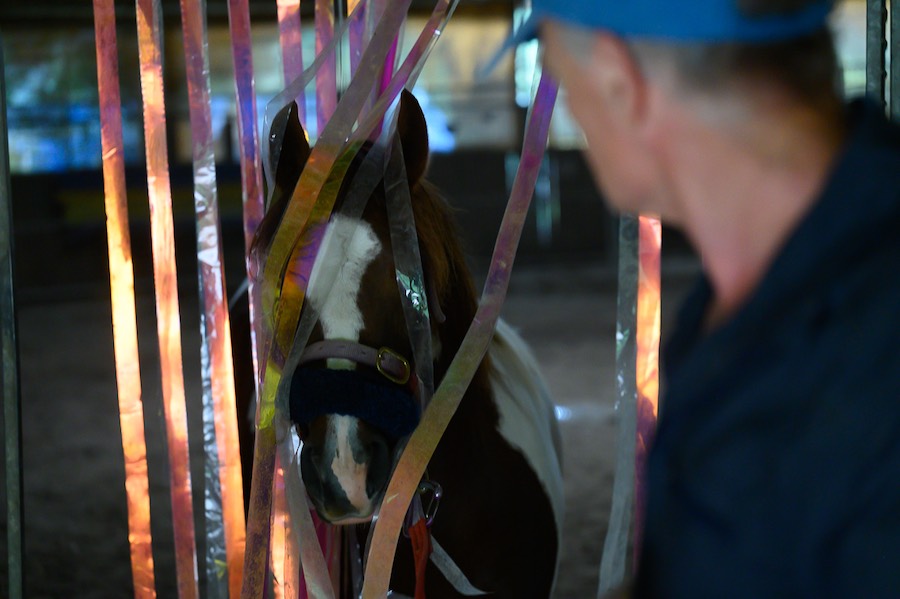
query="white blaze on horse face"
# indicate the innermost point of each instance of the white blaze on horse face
(342, 318)
(350, 474)
(339, 311)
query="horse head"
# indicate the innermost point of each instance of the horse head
(353, 394)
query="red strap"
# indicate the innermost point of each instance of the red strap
(421, 546)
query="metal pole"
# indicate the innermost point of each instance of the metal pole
(11, 400)
(876, 44)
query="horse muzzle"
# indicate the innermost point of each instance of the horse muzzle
(345, 467)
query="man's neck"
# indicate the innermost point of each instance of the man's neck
(741, 189)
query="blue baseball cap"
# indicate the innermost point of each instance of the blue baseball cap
(708, 21)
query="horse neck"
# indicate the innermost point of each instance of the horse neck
(445, 260)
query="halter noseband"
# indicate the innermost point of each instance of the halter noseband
(389, 363)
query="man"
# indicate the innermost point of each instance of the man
(776, 467)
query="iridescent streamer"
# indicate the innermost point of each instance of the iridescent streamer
(326, 77)
(302, 214)
(285, 570)
(128, 377)
(647, 366)
(12, 422)
(294, 92)
(291, 37)
(408, 264)
(317, 170)
(613, 563)
(357, 34)
(224, 505)
(287, 315)
(305, 537)
(251, 175)
(301, 268)
(257, 542)
(166, 284)
(415, 457)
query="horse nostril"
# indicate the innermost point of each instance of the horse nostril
(309, 471)
(379, 466)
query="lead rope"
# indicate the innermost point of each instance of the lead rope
(420, 538)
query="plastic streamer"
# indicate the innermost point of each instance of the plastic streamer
(357, 34)
(647, 367)
(283, 568)
(12, 422)
(408, 265)
(286, 315)
(295, 91)
(125, 341)
(615, 547)
(251, 175)
(637, 377)
(256, 548)
(168, 322)
(354, 202)
(326, 77)
(285, 253)
(290, 35)
(408, 70)
(223, 505)
(367, 177)
(404, 239)
(423, 441)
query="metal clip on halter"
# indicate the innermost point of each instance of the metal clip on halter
(429, 486)
(423, 511)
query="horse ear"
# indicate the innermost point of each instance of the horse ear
(292, 156)
(294, 148)
(413, 136)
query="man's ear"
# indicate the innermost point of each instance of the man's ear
(413, 137)
(294, 150)
(617, 77)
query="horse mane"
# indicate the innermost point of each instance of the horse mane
(445, 267)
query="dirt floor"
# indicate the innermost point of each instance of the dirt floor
(75, 521)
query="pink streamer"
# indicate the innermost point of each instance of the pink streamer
(357, 34)
(411, 466)
(257, 538)
(326, 77)
(251, 174)
(290, 35)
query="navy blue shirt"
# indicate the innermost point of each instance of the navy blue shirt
(776, 466)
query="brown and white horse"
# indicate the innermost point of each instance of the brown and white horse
(498, 463)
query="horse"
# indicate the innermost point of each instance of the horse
(498, 465)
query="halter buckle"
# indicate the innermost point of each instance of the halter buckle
(386, 352)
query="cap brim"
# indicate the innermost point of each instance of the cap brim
(525, 33)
